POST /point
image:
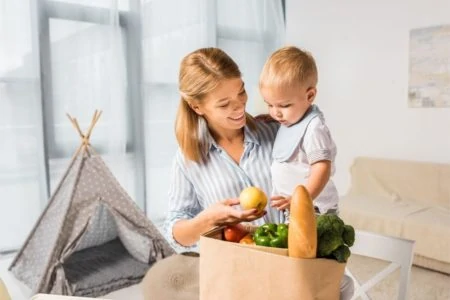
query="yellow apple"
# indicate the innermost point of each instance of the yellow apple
(252, 197)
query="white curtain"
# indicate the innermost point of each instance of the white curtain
(84, 68)
(248, 30)
(168, 35)
(87, 71)
(19, 85)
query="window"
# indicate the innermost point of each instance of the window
(122, 57)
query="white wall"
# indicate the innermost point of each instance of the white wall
(362, 53)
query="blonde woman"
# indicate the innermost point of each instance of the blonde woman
(222, 150)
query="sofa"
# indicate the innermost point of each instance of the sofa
(405, 199)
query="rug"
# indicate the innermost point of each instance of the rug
(424, 284)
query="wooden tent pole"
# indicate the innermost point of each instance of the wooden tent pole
(85, 137)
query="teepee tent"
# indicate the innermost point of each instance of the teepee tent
(92, 238)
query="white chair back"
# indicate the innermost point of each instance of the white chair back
(396, 250)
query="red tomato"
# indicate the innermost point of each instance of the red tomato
(234, 233)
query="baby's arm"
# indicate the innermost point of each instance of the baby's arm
(320, 150)
(320, 174)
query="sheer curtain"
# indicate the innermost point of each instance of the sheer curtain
(88, 72)
(168, 34)
(78, 48)
(248, 30)
(75, 56)
(19, 86)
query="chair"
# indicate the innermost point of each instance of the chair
(396, 250)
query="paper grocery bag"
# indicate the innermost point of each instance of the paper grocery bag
(232, 271)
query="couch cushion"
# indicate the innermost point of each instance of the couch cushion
(377, 214)
(431, 231)
(420, 182)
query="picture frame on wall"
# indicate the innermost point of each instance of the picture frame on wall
(429, 67)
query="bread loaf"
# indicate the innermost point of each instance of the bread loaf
(302, 237)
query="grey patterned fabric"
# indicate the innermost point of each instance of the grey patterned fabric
(97, 270)
(89, 213)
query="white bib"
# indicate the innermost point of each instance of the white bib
(288, 138)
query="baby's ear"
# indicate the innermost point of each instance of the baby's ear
(311, 94)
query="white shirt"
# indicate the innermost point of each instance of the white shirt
(316, 145)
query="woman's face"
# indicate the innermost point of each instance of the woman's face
(224, 108)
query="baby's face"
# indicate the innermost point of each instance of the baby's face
(288, 106)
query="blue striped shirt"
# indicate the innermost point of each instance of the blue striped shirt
(196, 186)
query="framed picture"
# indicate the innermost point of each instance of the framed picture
(429, 67)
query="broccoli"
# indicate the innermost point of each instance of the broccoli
(329, 222)
(349, 235)
(342, 253)
(328, 242)
(334, 237)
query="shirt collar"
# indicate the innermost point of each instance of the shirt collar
(250, 137)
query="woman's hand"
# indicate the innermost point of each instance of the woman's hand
(223, 213)
(280, 202)
(187, 231)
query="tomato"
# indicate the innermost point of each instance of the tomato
(234, 233)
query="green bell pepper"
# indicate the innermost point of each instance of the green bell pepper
(271, 235)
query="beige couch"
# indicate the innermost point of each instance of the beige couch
(403, 199)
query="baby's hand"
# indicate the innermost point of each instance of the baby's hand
(280, 202)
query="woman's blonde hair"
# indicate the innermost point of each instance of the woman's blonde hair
(289, 67)
(200, 73)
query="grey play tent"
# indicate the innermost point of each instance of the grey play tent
(92, 238)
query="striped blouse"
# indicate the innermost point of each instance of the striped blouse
(195, 187)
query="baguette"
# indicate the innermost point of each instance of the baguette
(302, 236)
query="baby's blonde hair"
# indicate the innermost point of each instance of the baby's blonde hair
(289, 67)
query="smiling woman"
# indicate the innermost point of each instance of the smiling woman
(224, 110)
(222, 150)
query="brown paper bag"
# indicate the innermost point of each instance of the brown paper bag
(232, 271)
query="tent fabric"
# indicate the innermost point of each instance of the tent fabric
(88, 210)
(96, 270)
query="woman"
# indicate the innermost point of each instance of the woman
(222, 150)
